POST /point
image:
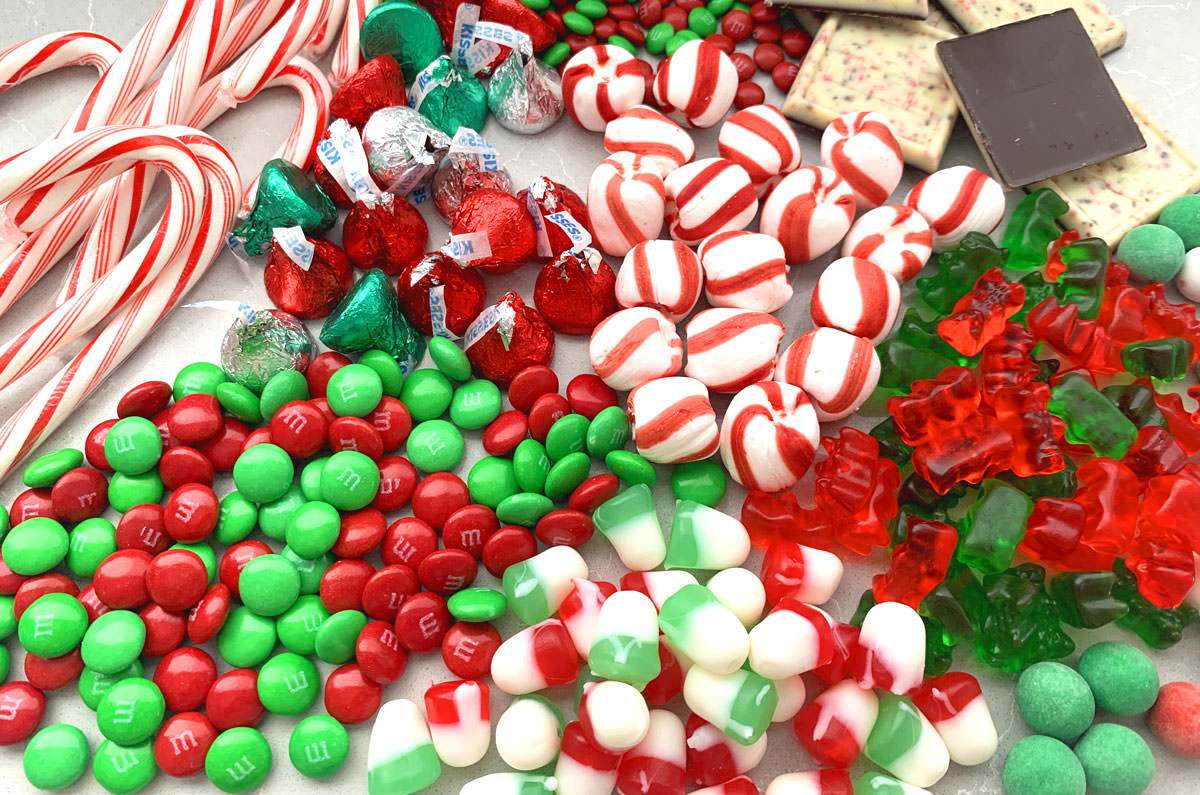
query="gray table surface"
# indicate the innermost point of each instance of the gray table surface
(1159, 67)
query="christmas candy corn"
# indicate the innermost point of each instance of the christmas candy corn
(740, 591)
(529, 733)
(704, 538)
(792, 695)
(704, 630)
(630, 523)
(625, 644)
(835, 724)
(954, 704)
(656, 765)
(400, 758)
(812, 782)
(905, 744)
(460, 722)
(581, 608)
(658, 585)
(613, 716)
(891, 648)
(713, 757)
(805, 573)
(535, 658)
(511, 784)
(583, 768)
(536, 587)
(792, 639)
(740, 704)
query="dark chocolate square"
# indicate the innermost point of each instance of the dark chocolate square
(1037, 98)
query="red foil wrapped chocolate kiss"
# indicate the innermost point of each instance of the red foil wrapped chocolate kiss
(576, 291)
(311, 293)
(550, 197)
(505, 222)
(378, 84)
(508, 337)
(389, 234)
(461, 296)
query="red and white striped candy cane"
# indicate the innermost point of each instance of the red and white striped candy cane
(55, 401)
(249, 24)
(347, 58)
(327, 33)
(43, 54)
(282, 42)
(107, 148)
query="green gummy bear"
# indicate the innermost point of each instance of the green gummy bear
(1085, 598)
(1163, 359)
(1136, 402)
(1158, 628)
(1037, 289)
(1016, 621)
(1082, 283)
(1090, 417)
(1032, 229)
(959, 269)
(993, 527)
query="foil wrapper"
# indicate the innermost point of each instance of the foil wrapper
(286, 196)
(310, 292)
(440, 295)
(369, 317)
(271, 342)
(403, 148)
(506, 338)
(449, 97)
(525, 95)
(472, 164)
(389, 234)
(576, 291)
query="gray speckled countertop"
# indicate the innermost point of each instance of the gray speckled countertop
(1159, 67)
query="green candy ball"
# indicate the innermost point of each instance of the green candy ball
(1040, 765)
(1183, 216)
(1116, 760)
(1055, 700)
(1154, 253)
(1123, 679)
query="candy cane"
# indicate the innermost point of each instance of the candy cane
(301, 76)
(327, 33)
(108, 147)
(275, 49)
(347, 58)
(43, 54)
(55, 401)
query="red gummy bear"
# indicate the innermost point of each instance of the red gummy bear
(935, 405)
(918, 564)
(856, 491)
(971, 451)
(980, 315)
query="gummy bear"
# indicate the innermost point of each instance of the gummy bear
(935, 405)
(856, 490)
(980, 315)
(959, 269)
(1085, 598)
(1022, 410)
(1017, 621)
(971, 451)
(1165, 359)
(1090, 417)
(918, 564)
(1159, 629)
(1007, 359)
(1082, 280)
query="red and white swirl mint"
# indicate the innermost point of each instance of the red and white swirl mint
(838, 371)
(644, 131)
(760, 140)
(863, 150)
(663, 274)
(708, 196)
(728, 349)
(895, 237)
(626, 202)
(769, 436)
(955, 201)
(696, 85)
(858, 297)
(809, 212)
(745, 270)
(600, 83)
(633, 346)
(673, 420)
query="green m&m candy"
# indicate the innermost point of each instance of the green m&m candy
(269, 585)
(631, 468)
(699, 481)
(477, 605)
(524, 508)
(198, 377)
(298, 626)
(133, 446)
(44, 470)
(354, 390)
(531, 465)
(238, 760)
(263, 473)
(310, 478)
(349, 480)
(93, 684)
(246, 639)
(126, 491)
(338, 634)
(491, 480)
(567, 473)
(475, 404)
(281, 388)
(8, 618)
(435, 446)
(113, 641)
(131, 711)
(53, 625)
(385, 366)
(288, 684)
(318, 746)
(608, 431)
(313, 529)
(310, 571)
(92, 540)
(567, 435)
(56, 757)
(240, 402)
(122, 769)
(450, 358)
(35, 546)
(273, 516)
(426, 394)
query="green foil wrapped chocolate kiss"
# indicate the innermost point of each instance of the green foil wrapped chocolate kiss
(449, 97)
(370, 317)
(404, 31)
(286, 196)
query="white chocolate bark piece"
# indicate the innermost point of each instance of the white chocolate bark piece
(887, 65)
(1105, 31)
(811, 20)
(1110, 198)
(916, 9)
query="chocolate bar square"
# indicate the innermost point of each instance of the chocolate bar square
(1037, 98)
